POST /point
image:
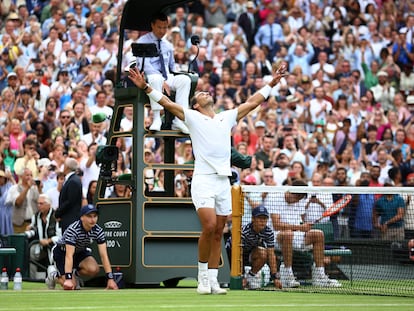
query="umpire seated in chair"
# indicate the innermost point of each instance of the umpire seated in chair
(159, 71)
(43, 232)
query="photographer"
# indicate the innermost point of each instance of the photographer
(22, 197)
(43, 232)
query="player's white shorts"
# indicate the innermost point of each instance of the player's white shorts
(212, 191)
(298, 242)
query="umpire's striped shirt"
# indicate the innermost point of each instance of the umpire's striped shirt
(252, 239)
(76, 235)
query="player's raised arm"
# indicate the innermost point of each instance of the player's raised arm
(139, 80)
(262, 94)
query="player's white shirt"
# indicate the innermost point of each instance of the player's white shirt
(210, 138)
(315, 210)
(289, 213)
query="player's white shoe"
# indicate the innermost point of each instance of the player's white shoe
(320, 279)
(253, 281)
(203, 287)
(51, 277)
(287, 278)
(215, 287)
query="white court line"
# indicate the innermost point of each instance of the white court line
(214, 306)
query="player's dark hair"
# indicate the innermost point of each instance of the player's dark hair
(159, 17)
(299, 182)
(193, 101)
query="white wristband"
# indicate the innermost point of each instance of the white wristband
(265, 91)
(155, 95)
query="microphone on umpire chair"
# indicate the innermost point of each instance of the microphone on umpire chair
(195, 40)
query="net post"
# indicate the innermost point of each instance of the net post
(236, 278)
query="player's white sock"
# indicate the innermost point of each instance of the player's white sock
(212, 273)
(202, 266)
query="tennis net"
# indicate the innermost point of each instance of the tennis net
(364, 259)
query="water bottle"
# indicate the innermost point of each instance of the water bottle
(119, 278)
(17, 280)
(4, 280)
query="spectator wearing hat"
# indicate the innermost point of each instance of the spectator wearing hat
(72, 254)
(258, 243)
(13, 82)
(383, 92)
(47, 177)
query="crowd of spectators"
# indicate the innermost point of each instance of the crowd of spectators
(347, 101)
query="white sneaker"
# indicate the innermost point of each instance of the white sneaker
(322, 280)
(156, 124)
(178, 125)
(253, 281)
(287, 278)
(51, 277)
(215, 288)
(78, 279)
(203, 287)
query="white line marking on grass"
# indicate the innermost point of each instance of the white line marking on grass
(213, 306)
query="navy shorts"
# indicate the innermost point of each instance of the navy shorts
(59, 254)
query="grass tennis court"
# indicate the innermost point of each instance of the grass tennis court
(36, 297)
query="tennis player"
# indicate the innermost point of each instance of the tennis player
(210, 189)
(287, 212)
(72, 254)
